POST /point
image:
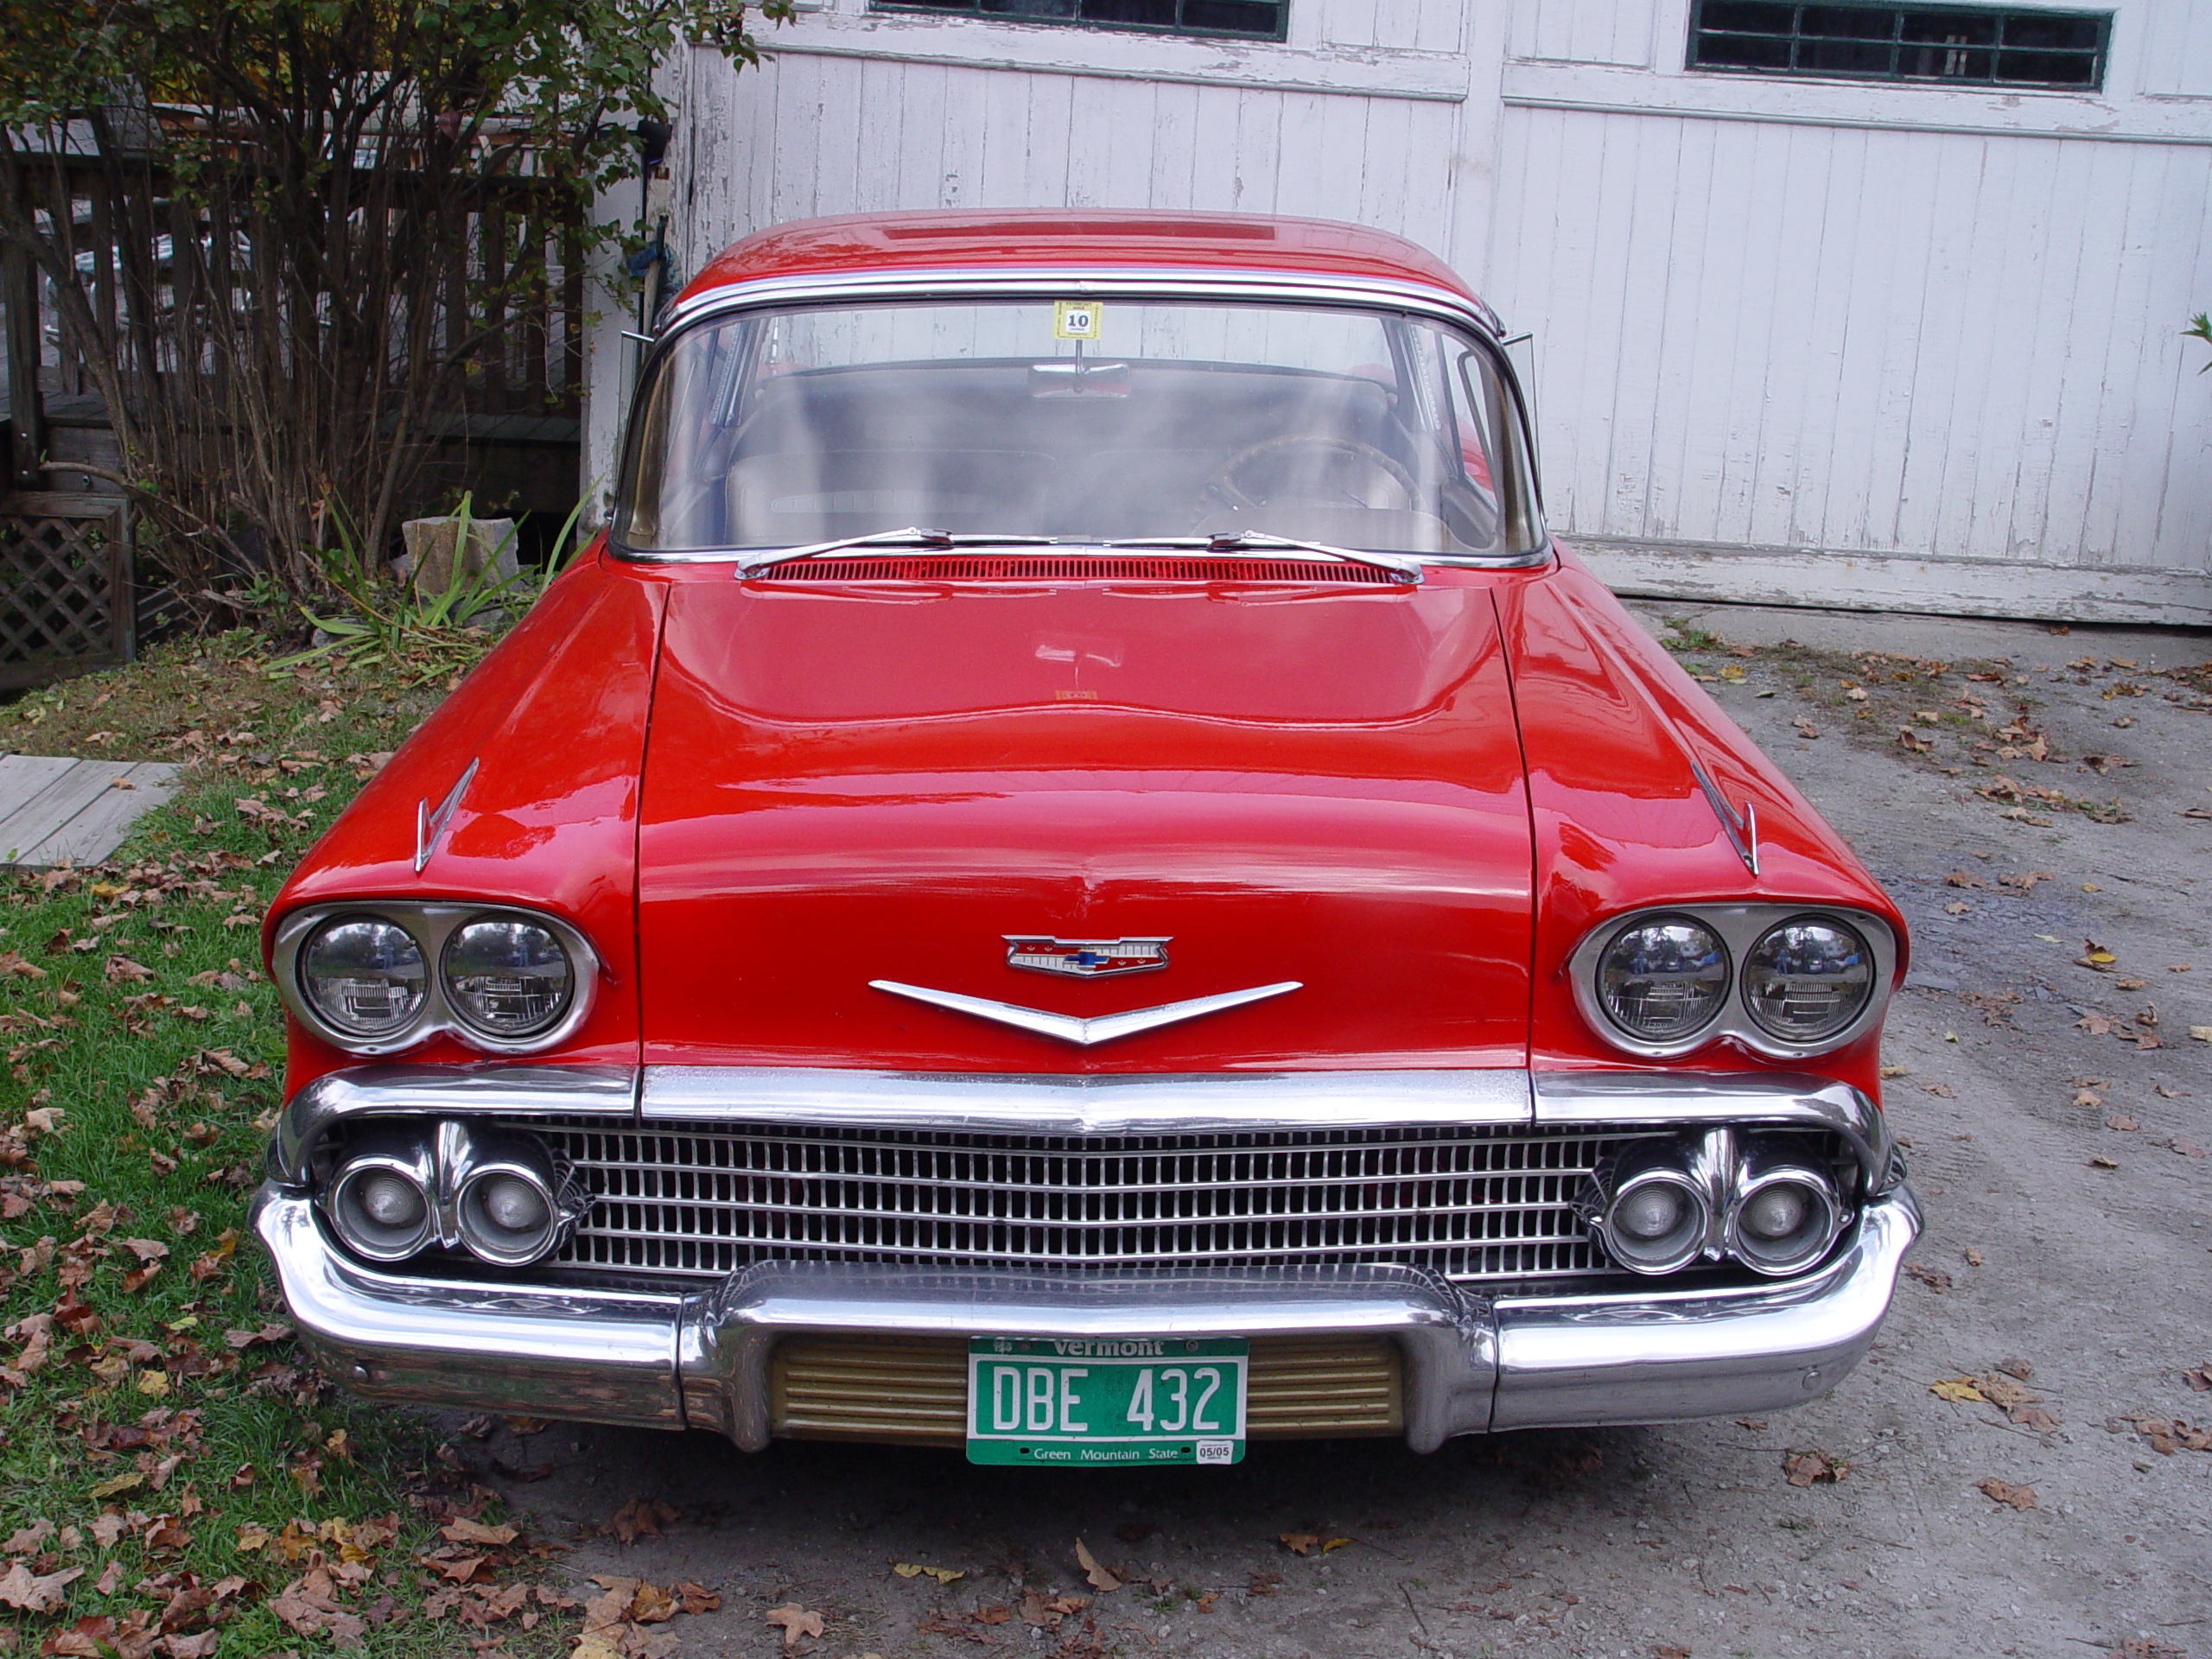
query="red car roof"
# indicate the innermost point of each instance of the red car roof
(1081, 237)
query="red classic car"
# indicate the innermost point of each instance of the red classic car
(1078, 876)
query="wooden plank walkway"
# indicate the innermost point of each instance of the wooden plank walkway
(56, 811)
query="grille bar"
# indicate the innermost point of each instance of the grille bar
(1478, 1205)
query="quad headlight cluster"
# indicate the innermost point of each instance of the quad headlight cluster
(376, 978)
(1659, 1205)
(1785, 981)
(398, 1191)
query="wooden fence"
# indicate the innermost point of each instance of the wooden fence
(66, 595)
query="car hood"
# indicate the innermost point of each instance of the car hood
(854, 784)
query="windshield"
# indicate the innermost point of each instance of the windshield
(1082, 422)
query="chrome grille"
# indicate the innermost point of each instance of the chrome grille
(1477, 1205)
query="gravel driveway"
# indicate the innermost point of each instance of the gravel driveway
(2014, 1471)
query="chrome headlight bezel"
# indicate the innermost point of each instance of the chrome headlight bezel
(431, 924)
(1740, 926)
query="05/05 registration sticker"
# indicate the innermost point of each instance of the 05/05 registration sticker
(1099, 1401)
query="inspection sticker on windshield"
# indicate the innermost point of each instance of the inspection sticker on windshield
(1076, 320)
(1100, 1401)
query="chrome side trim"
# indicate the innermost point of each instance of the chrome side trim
(430, 823)
(1743, 832)
(601, 1357)
(1666, 1100)
(1103, 1028)
(430, 923)
(404, 1091)
(1445, 1333)
(1657, 1356)
(1057, 1104)
(1739, 927)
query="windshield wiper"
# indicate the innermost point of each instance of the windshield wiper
(931, 541)
(1406, 567)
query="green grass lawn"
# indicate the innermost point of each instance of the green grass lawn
(175, 1476)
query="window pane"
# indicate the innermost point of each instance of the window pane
(2045, 69)
(1848, 24)
(1753, 14)
(1950, 27)
(1845, 57)
(2026, 28)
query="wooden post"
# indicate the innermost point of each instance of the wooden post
(26, 404)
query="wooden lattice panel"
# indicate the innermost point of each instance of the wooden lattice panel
(65, 599)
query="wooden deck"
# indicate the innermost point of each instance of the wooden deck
(55, 812)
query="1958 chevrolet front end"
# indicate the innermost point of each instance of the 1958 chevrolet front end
(1079, 877)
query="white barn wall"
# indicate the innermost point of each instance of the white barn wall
(1796, 340)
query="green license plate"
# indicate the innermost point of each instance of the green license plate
(1090, 1401)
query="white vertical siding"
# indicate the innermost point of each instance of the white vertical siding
(811, 134)
(1918, 343)
(2176, 53)
(1585, 31)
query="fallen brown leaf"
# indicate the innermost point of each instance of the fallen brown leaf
(1099, 1578)
(641, 1517)
(1808, 1468)
(796, 1622)
(2003, 1492)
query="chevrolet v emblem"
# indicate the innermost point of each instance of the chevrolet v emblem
(1083, 959)
(1086, 1033)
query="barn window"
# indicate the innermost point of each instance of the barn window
(1963, 46)
(1256, 19)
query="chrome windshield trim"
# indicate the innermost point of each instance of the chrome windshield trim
(1743, 1099)
(1103, 1104)
(1087, 280)
(922, 286)
(1069, 1028)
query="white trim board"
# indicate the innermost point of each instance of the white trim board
(1260, 66)
(1834, 580)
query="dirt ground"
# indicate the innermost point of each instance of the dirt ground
(2048, 830)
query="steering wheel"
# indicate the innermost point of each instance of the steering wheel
(1226, 486)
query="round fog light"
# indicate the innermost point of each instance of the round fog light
(514, 1205)
(378, 1201)
(508, 1208)
(1651, 1211)
(1784, 1218)
(392, 1200)
(1775, 1213)
(1656, 1219)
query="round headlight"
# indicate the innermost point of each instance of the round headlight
(364, 975)
(1806, 980)
(1665, 980)
(508, 977)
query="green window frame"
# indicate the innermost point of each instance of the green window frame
(2005, 48)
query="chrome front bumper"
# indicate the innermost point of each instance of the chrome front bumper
(1473, 1363)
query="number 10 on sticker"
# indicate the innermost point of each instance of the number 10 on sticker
(1076, 320)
